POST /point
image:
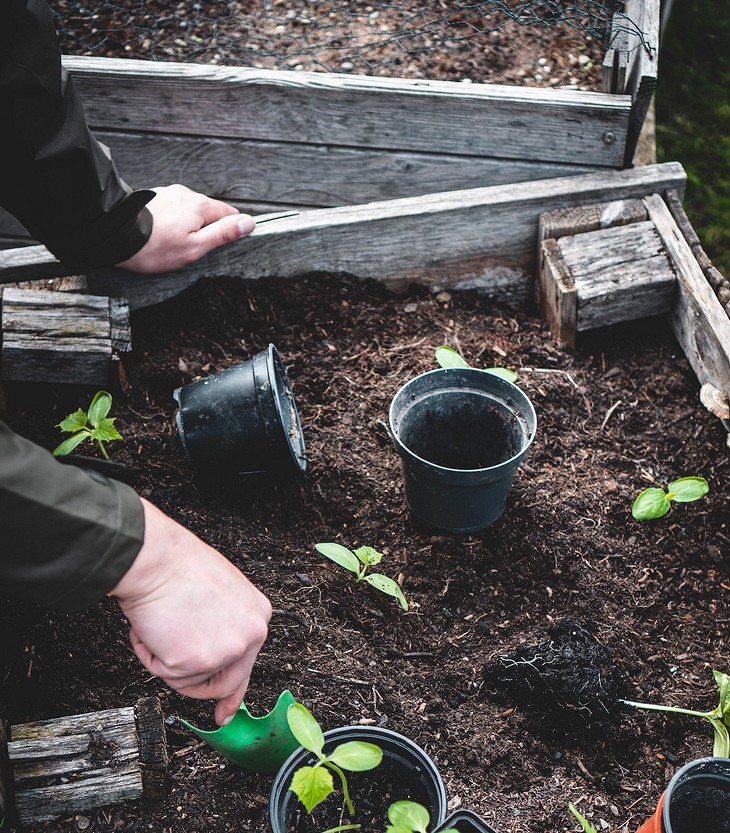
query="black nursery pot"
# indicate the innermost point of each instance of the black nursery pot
(461, 433)
(697, 799)
(243, 420)
(465, 821)
(398, 751)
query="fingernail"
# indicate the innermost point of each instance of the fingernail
(227, 720)
(246, 225)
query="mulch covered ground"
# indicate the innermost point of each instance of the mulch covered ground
(519, 640)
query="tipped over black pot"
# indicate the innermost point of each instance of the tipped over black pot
(243, 420)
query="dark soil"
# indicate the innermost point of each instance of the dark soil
(696, 809)
(647, 603)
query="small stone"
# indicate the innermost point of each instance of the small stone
(82, 823)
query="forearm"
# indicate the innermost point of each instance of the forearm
(54, 176)
(66, 537)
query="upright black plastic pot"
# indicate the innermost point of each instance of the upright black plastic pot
(465, 821)
(461, 433)
(697, 800)
(398, 750)
(243, 420)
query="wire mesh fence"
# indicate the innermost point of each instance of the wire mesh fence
(436, 39)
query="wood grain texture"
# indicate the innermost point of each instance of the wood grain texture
(643, 47)
(697, 316)
(353, 111)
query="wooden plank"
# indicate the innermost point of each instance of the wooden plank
(558, 298)
(567, 126)
(52, 802)
(643, 32)
(616, 58)
(76, 763)
(484, 235)
(697, 318)
(619, 274)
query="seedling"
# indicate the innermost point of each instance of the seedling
(719, 717)
(358, 562)
(655, 502)
(312, 784)
(410, 817)
(94, 425)
(584, 823)
(448, 357)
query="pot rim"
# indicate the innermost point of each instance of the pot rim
(511, 392)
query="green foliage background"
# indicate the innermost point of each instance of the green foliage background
(693, 115)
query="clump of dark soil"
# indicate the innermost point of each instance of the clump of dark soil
(618, 413)
(567, 684)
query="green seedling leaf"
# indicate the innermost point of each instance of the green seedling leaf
(688, 489)
(651, 503)
(73, 422)
(388, 586)
(100, 406)
(448, 357)
(584, 823)
(340, 555)
(356, 756)
(503, 373)
(719, 717)
(95, 426)
(407, 815)
(305, 728)
(68, 445)
(368, 556)
(358, 562)
(311, 785)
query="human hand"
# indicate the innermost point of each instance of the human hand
(185, 226)
(196, 621)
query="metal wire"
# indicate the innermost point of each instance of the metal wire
(366, 37)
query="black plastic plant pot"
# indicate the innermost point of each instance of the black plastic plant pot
(465, 821)
(697, 800)
(405, 765)
(243, 420)
(461, 434)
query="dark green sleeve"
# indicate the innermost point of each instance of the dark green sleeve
(67, 536)
(54, 176)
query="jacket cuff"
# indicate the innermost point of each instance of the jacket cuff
(113, 238)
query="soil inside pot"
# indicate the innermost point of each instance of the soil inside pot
(371, 792)
(462, 431)
(700, 809)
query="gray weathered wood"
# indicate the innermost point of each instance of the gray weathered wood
(72, 764)
(616, 58)
(61, 336)
(644, 16)
(483, 235)
(352, 110)
(697, 317)
(597, 278)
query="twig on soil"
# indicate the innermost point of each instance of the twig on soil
(551, 370)
(352, 680)
(609, 412)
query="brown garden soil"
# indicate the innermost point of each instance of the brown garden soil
(519, 640)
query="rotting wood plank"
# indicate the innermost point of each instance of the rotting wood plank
(99, 758)
(406, 114)
(482, 235)
(616, 58)
(643, 32)
(697, 317)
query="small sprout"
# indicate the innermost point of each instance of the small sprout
(312, 784)
(94, 425)
(358, 562)
(410, 817)
(448, 357)
(584, 823)
(655, 502)
(719, 717)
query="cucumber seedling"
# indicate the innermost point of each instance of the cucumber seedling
(359, 562)
(95, 425)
